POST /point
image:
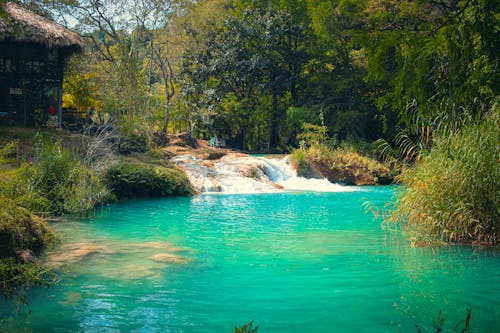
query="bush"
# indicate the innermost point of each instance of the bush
(299, 161)
(21, 235)
(341, 165)
(55, 182)
(127, 180)
(20, 230)
(133, 137)
(453, 193)
(17, 277)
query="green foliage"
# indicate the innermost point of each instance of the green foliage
(452, 194)
(16, 278)
(22, 187)
(127, 180)
(432, 52)
(347, 166)
(247, 328)
(7, 151)
(246, 66)
(340, 165)
(299, 161)
(21, 235)
(295, 118)
(54, 182)
(80, 87)
(21, 230)
(312, 135)
(133, 137)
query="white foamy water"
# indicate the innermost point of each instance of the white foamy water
(250, 174)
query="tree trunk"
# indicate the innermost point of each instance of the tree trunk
(169, 93)
(167, 117)
(273, 134)
(293, 91)
(167, 107)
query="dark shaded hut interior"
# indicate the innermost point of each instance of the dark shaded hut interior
(33, 51)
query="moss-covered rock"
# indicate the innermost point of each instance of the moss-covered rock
(127, 180)
(21, 231)
(340, 166)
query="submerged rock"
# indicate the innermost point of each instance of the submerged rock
(159, 245)
(73, 253)
(170, 258)
(133, 272)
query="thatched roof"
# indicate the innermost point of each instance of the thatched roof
(21, 25)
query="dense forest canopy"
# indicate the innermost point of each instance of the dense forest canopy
(253, 72)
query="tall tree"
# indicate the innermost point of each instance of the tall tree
(257, 52)
(433, 52)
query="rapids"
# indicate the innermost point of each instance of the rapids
(247, 174)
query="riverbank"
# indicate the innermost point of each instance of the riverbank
(51, 173)
(46, 173)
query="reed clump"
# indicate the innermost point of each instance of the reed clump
(453, 193)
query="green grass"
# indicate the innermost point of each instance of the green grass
(53, 182)
(453, 193)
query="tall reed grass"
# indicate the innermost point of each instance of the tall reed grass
(452, 194)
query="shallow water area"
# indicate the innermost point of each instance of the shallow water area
(291, 261)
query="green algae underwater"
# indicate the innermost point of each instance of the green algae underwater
(291, 262)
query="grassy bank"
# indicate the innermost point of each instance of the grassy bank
(22, 237)
(47, 173)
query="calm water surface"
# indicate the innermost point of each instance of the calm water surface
(292, 262)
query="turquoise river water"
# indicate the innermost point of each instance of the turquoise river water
(291, 262)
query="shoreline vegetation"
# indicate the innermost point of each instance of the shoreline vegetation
(46, 174)
(359, 92)
(42, 178)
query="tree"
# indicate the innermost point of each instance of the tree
(257, 53)
(432, 52)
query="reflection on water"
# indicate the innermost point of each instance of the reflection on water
(292, 262)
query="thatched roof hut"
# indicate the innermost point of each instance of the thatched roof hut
(33, 52)
(24, 26)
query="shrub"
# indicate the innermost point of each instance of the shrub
(299, 161)
(8, 150)
(20, 230)
(17, 277)
(133, 136)
(56, 182)
(312, 135)
(20, 186)
(127, 180)
(452, 194)
(341, 165)
(21, 235)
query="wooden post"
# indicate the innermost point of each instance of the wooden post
(59, 107)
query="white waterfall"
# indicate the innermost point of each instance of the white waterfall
(250, 174)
